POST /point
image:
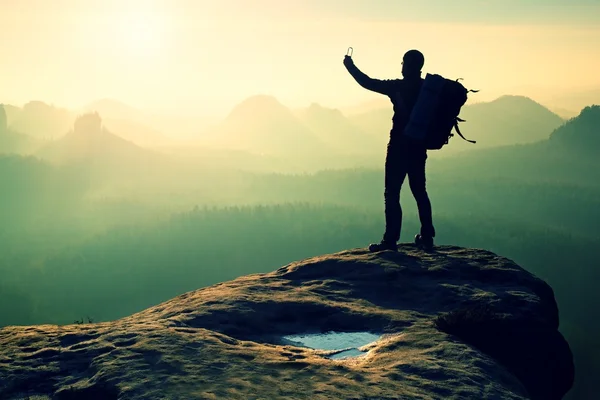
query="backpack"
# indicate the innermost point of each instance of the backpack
(436, 111)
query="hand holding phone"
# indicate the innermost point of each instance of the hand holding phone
(348, 57)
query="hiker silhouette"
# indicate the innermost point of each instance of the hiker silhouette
(405, 156)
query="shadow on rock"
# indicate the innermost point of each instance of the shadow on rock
(538, 355)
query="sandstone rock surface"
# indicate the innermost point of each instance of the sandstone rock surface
(224, 341)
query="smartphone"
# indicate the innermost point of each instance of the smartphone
(350, 51)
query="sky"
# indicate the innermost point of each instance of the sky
(204, 56)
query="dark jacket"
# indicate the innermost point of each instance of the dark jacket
(403, 94)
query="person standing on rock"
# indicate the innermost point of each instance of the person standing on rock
(405, 156)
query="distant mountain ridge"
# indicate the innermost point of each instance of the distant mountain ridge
(10, 141)
(89, 141)
(40, 120)
(261, 124)
(337, 131)
(115, 109)
(582, 132)
(505, 121)
(569, 155)
(508, 120)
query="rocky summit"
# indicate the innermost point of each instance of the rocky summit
(454, 323)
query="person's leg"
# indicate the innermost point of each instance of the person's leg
(395, 172)
(416, 178)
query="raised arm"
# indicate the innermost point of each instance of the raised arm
(376, 85)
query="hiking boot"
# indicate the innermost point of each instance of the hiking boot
(425, 242)
(383, 245)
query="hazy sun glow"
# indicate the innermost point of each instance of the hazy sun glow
(141, 33)
(209, 55)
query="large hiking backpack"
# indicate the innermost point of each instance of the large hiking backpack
(435, 113)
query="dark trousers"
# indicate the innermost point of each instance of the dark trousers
(400, 162)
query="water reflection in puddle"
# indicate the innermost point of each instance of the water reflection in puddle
(346, 343)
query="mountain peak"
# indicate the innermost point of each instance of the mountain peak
(517, 97)
(435, 327)
(507, 120)
(262, 98)
(581, 132)
(316, 108)
(263, 125)
(510, 100)
(89, 140)
(591, 112)
(115, 109)
(257, 105)
(89, 123)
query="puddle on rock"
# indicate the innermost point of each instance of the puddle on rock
(343, 344)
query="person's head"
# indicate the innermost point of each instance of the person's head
(412, 63)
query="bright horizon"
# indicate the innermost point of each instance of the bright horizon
(202, 57)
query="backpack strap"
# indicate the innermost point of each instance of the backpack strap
(460, 134)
